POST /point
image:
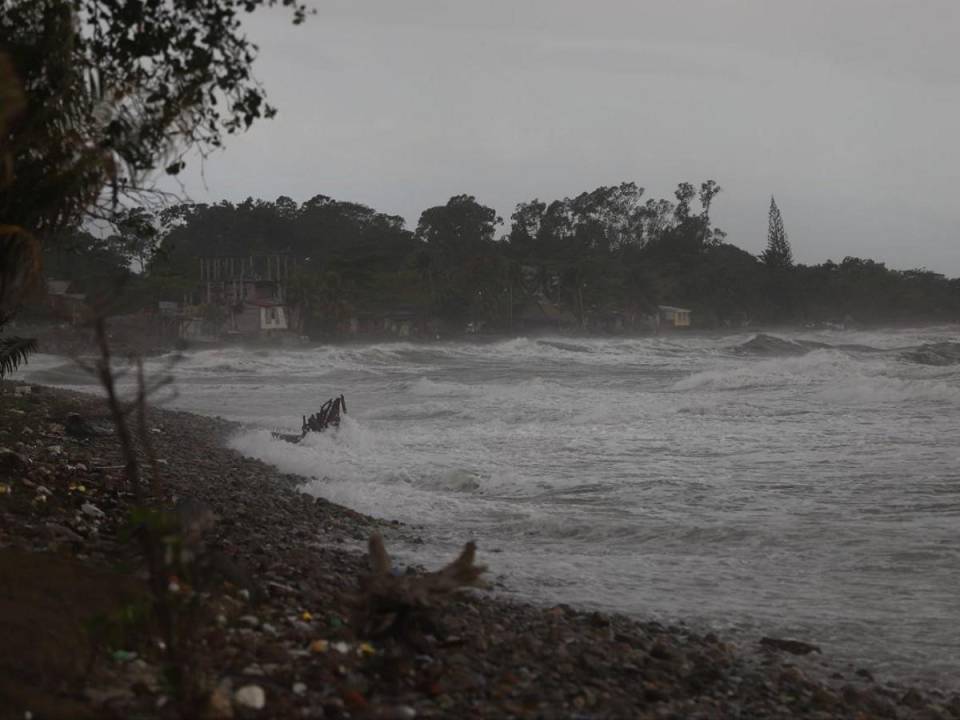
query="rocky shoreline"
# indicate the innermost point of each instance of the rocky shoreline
(281, 640)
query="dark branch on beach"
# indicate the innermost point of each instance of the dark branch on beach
(389, 603)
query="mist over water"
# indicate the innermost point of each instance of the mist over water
(815, 496)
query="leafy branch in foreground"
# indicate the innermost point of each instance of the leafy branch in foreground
(161, 536)
(14, 352)
(102, 94)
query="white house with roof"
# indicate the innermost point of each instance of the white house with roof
(671, 316)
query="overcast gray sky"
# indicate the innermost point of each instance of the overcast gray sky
(847, 110)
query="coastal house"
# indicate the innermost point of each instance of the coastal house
(256, 318)
(401, 322)
(241, 297)
(66, 305)
(675, 317)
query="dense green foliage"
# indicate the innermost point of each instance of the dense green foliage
(603, 255)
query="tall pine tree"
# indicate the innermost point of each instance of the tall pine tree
(778, 255)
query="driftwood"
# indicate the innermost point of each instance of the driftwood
(389, 602)
(327, 417)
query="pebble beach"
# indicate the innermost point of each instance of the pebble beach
(278, 639)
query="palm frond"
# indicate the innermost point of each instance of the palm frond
(14, 352)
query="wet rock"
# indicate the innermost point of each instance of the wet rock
(63, 533)
(92, 510)
(661, 651)
(251, 696)
(12, 462)
(796, 647)
(912, 699)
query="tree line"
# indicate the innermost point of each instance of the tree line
(603, 253)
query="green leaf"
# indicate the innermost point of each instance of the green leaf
(14, 352)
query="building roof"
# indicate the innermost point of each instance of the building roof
(671, 308)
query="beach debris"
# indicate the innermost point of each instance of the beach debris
(795, 647)
(388, 601)
(328, 416)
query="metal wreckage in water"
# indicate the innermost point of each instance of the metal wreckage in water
(327, 417)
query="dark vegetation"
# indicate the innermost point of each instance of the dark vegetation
(95, 98)
(603, 253)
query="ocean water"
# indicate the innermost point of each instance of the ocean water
(814, 496)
